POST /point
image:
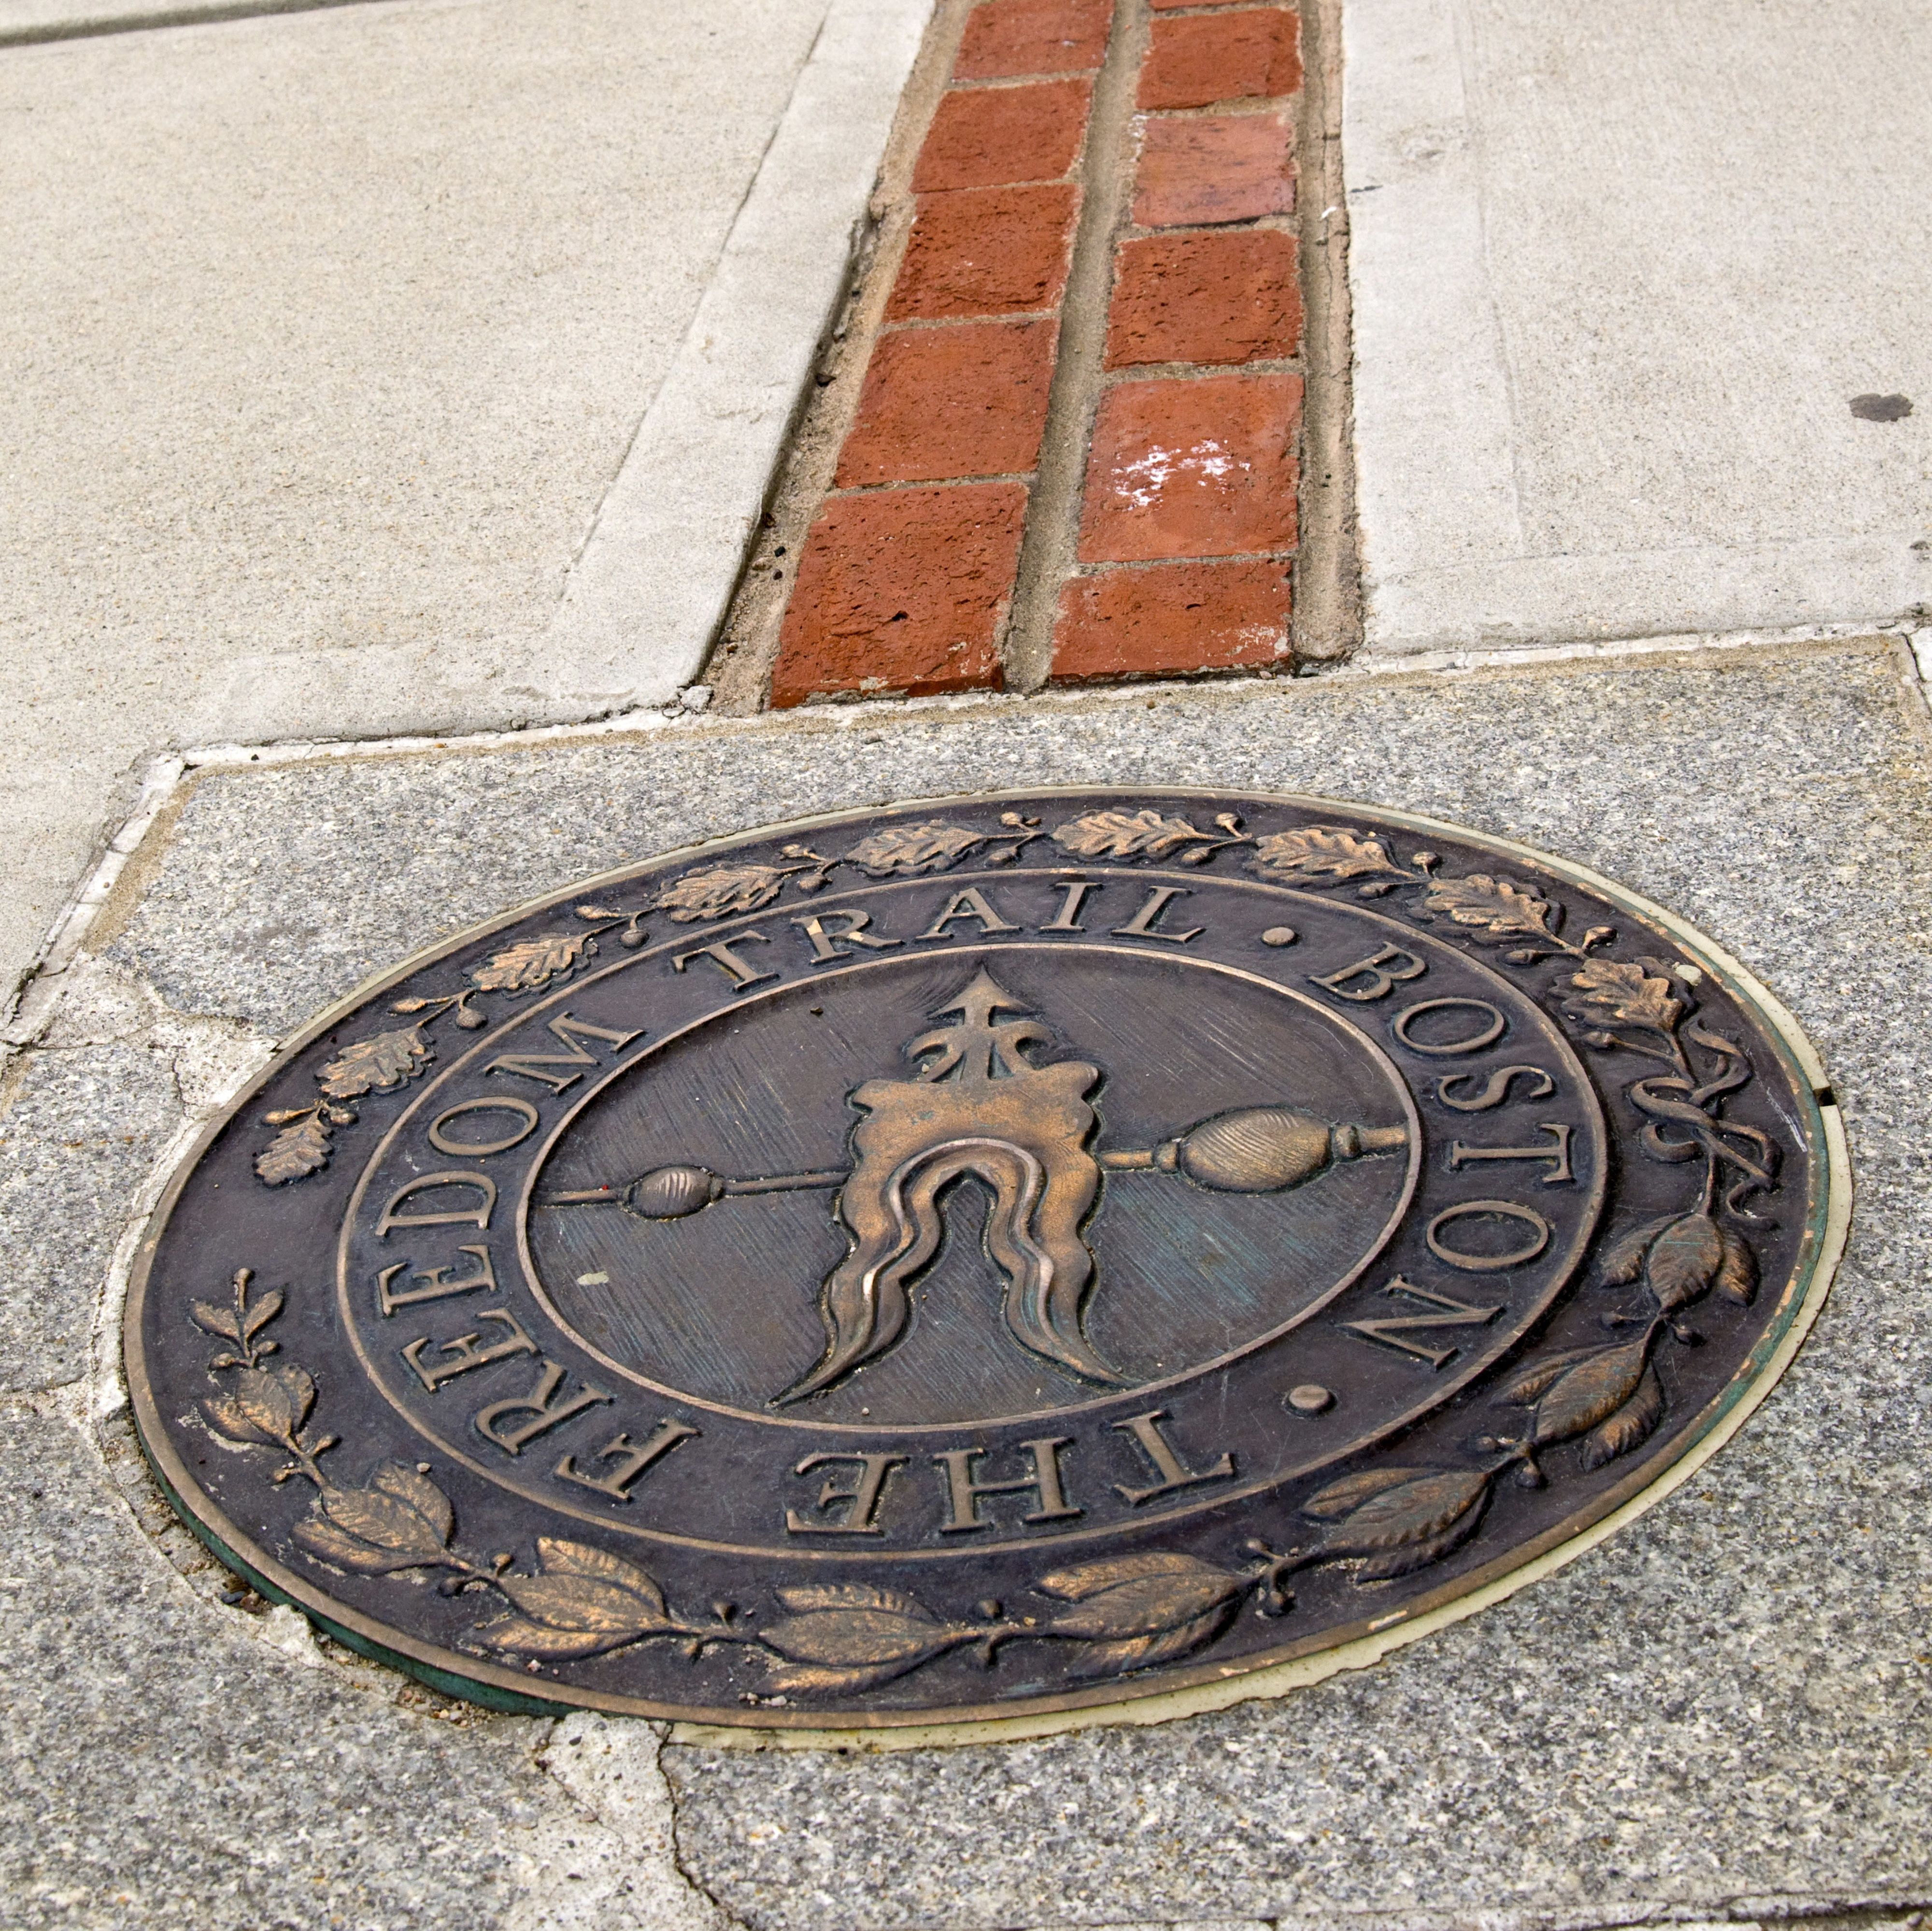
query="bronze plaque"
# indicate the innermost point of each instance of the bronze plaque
(983, 1259)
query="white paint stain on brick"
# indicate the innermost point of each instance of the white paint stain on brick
(1205, 462)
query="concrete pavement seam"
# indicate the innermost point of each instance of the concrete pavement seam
(651, 586)
(41, 989)
(1326, 622)
(40, 985)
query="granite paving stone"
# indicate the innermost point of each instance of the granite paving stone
(1721, 1713)
(82, 1128)
(165, 1767)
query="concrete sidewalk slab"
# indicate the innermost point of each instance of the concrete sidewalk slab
(329, 333)
(1720, 1712)
(1618, 274)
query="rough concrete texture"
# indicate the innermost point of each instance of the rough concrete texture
(326, 337)
(175, 1761)
(1720, 1713)
(1610, 316)
(82, 1127)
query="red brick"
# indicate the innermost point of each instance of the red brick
(985, 251)
(1172, 619)
(1224, 298)
(1209, 57)
(967, 400)
(902, 590)
(1006, 37)
(1230, 167)
(1191, 469)
(989, 136)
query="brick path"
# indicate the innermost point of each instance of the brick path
(1075, 451)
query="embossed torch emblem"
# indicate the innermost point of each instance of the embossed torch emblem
(980, 1260)
(979, 1106)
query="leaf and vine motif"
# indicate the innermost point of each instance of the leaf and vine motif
(1492, 909)
(1650, 1013)
(1644, 1006)
(1146, 833)
(1608, 1398)
(904, 851)
(1331, 853)
(1497, 911)
(261, 1406)
(734, 887)
(572, 1600)
(382, 1064)
(389, 1060)
(1399, 1520)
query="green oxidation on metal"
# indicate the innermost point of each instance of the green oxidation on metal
(467, 1690)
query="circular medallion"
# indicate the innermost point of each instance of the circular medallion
(984, 1260)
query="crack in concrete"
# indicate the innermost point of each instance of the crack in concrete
(681, 1857)
(610, 1771)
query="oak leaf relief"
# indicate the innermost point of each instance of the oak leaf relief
(1124, 834)
(1321, 852)
(718, 891)
(1492, 908)
(295, 1152)
(1609, 992)
(534, 962)
(903, 850)
(377, 1064)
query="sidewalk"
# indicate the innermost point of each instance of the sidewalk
(329, 335)
(1622, 278)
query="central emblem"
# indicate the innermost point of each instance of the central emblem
(980, 1109)
(983, 1261)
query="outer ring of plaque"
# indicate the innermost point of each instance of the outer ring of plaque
(1208, 1686)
